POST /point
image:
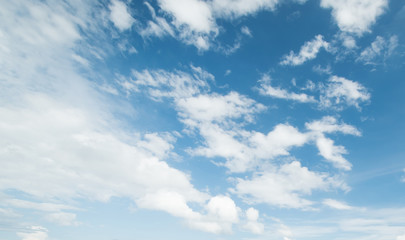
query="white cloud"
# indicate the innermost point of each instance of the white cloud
(307, 52)
(34, 233)
(252, 225)
(284, 186)
(333, 153)
(120, 16)
(340, 91)
(326, 146)
(402, 237)
(217, 108)
(160, 83)
(239, 8)
(56, 122)
(379, 48)
(403, 177)
(330, 124)
(223, 208)
(277, 92)
(158, 26)
(332, 203)
(355, 16)
(195, 14)
(319, 69)
(245, 30)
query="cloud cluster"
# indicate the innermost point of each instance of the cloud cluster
(220, 120)
(380, 47)
(355, 16)
(337, 93)
(61, 138)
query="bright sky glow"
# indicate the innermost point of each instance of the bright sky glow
(202, 119)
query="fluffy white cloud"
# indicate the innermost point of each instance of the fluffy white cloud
(195, 14)
(340, 91)
(277, 92)
(217, 108)
(379, 48)
(57, 123)
(284, 186)
(330, 124)
(332, 203)
(332, 153)
(355, 16)
(307, 52)
(252, 225)
(326, 146)
(120, 16)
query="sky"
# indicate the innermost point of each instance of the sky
(202, 119)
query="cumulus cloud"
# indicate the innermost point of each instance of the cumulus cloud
(307, 52)
(195, 14)
(280, 187)
(56, 122)
(340, 91)
(252, 224)
(355, 16)
(194, 21)
(267, 90)
(120, 16)
(330, 124)
(326, 146)
(381, 47)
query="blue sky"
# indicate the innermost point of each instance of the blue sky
(192, 119)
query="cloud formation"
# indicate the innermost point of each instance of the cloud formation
(355, 16)
(307, 52)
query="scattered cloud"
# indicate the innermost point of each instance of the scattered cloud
(245, 30)
(340, 91)
(332, 203)
(280, 187)
(120, 15)
(322, 70)
(307, 52)
(355, 16)
(381, 47)
(326, 146)
(267, 90)
(330, 124)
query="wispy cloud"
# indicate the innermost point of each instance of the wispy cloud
(307, 52)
